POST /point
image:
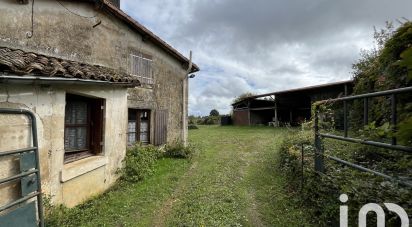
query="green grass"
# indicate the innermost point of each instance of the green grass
(231, 181)
(127, 204)
(235, 181)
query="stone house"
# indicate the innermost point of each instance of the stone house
(96, 80)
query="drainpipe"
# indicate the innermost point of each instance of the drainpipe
(276, 113)
(185, 100)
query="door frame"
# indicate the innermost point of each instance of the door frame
(138, 122)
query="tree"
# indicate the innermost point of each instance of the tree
(387, 66)
(214, 112)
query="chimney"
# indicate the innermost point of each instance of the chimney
(115, 3)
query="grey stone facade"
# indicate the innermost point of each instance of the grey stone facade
(99, 36)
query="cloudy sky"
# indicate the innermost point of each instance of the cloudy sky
(265, 45)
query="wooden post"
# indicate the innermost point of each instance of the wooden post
(346, 89)
(276, 114)
(248, 111)
(319, 165)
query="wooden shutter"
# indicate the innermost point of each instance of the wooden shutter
(161, 127)
(96, 125)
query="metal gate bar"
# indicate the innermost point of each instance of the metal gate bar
(36, 170)
(18, 176)
(368, 142)
(319, 150)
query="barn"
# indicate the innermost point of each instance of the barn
(286, 107)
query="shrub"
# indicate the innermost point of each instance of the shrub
(178, 150)
(210, 120)
(320, 192)
(388, 66)
(139, 162)
(192, 120)
(193, 127)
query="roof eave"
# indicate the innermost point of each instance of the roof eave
(148, 34)
(303, 88)
(296, 90)
(33, 79)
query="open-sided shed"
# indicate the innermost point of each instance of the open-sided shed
(287, 107)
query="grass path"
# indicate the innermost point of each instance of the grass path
(231, 181)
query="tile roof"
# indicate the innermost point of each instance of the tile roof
(27, 63)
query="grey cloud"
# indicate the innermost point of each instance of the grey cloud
(265, 45)
(290, 20)
(286, 69)
(226, 87)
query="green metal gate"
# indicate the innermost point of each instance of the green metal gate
(319, 148)
(28, 209)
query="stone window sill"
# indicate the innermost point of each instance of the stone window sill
(80, 167)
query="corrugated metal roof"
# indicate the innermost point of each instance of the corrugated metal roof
(314, 87)
(302, 89)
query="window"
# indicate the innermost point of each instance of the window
(141, 66)
(138, 127)
(83, 127)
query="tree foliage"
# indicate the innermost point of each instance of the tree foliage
(242, 97)
(214, 112)
(387, 66)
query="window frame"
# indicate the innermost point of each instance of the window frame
(137, 60)
(137, 132)
(92, 135)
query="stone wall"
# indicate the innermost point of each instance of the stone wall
(59, 32)
(66, 183)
